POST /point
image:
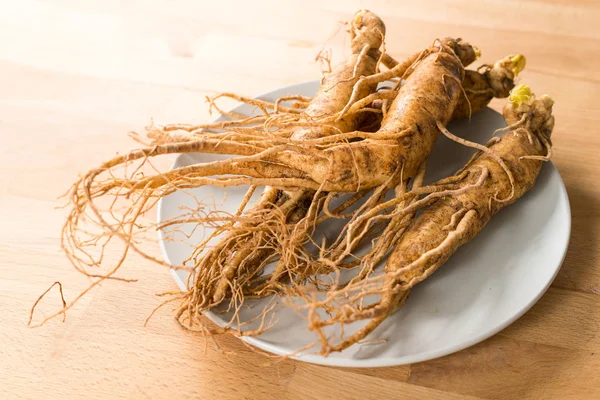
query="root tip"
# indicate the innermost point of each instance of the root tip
(521, 94)
(519, 62)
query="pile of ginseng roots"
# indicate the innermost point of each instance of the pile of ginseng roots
(351, 157)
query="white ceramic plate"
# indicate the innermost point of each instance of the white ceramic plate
(483, 288)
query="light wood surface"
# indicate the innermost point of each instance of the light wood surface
(76, 76)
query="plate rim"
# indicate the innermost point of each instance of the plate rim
(385, 361)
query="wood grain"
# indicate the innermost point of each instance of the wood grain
(75, 77)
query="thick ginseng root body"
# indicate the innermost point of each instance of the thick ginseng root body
(482, 85)
(502, 174)
(367, 31)
(405, 139)
(426, 245)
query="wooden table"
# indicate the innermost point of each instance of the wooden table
(75, 77)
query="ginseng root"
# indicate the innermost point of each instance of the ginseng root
(500, 174)
(237, 250)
